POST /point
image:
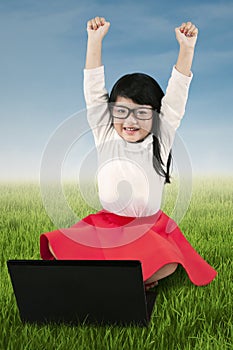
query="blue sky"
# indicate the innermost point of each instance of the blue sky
(42, 56)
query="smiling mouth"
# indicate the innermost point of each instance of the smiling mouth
(130, 129)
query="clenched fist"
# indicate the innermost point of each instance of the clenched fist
(97, 28)
(186, 34)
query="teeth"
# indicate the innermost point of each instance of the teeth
(130, 129)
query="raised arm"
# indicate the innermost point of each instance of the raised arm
(175, 99)
(97, 28)
(186, 36)
(94, 80)
(95, 93)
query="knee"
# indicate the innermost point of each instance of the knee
(168, 269)
(173, 267)
(165, 271)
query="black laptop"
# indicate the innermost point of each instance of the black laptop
(81, 291)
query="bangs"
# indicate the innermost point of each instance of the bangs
(140, 88)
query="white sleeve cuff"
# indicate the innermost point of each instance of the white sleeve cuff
(89, 73)
(181, 77)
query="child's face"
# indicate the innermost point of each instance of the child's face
(132, 129)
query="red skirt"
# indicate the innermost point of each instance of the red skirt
(155, 241)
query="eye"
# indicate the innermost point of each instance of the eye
(121, 110)
(142, 111)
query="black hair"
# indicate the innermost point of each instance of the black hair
(144, 90)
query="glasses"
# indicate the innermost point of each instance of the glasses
(141, 113)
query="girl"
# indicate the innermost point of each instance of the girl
(133, 129)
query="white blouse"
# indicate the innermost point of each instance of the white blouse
(127, 181)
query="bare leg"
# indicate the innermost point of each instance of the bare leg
(165, 271)
(51, 251)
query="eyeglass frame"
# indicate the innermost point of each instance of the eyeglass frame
(133, 110)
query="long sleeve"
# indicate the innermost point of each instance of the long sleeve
(96, 97)
(172, 110)
(94, 87)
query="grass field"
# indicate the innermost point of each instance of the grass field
(185, 317)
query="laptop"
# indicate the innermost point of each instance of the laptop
(81, 292)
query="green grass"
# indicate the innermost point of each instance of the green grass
(185, 317)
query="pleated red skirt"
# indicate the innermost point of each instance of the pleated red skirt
(155, 241)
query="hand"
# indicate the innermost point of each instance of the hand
(97, 28)
(186, 35)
